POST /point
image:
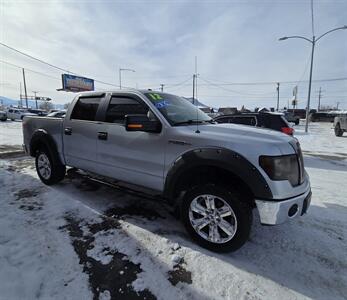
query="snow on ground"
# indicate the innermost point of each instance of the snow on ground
(326, 143)
(81, 239)
(11, 133)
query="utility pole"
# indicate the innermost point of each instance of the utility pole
(20, 94)
(25, 89)
(319, 97)
(35, 92)
(162, 87)
(278, 95)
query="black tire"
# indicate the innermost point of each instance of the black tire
(240, 208)
(297, 122)
(338, 130)
(57, 169)
(12, 119)
(3, 120)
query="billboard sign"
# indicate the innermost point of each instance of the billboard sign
(73, 83)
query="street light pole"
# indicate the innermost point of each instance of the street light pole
(313, 43)
(309, 85)
(120, 76)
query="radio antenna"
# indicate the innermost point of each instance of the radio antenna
(195, 92)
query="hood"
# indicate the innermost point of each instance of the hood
(239, 138)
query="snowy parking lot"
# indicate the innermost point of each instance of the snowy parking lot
(82, 239)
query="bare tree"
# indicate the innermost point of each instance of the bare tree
(45, 105)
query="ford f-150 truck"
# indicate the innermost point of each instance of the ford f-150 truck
(213, 174)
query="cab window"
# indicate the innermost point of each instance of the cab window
(86, 108)
(119, 107)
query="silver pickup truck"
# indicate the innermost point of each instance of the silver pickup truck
(340, 124)
(213, 174)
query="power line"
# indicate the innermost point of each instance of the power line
(30, 70)
(51, 65)
(229, 90)
(275, 82)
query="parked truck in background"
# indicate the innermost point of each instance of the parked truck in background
(340, 124)
(213, 174)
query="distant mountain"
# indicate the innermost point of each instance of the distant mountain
(15, 102)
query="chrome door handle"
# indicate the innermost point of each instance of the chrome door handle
(102, 135)
(68, 131)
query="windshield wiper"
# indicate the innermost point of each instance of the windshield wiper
(188, 122)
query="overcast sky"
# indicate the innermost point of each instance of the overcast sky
(234, 41)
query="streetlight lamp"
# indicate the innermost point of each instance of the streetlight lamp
(120, 75)
(313, 43)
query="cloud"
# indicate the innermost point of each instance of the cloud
(235, 42)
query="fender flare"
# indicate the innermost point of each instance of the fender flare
(42, 137)
(224, 159)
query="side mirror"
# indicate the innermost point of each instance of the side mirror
(141, 123)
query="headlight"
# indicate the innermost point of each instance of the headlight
(284, 167)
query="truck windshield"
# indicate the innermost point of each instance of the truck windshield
(177, 110)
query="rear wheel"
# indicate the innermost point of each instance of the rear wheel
(217, 219)
(48, 167)
(338, 130)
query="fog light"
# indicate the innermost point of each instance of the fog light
(293, 210)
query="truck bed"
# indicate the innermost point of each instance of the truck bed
(53, 126)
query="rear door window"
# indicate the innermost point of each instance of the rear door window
(86, 108)
(119, 107)
(275, 122)
(244, 120)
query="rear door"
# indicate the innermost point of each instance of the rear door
(131, 156)
(80, 132)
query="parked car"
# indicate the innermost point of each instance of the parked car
(322, 117)
(300, 112)
(290, 117)
(38, 112)
(340, 124)
(270, 120)
(213, 174)
(18, 114)
(3, 115)
(57, 114)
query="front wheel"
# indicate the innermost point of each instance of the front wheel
(48, 167)
(216, 218)
(338, 130)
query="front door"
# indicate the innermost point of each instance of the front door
(135, 157)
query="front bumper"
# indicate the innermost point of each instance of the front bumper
(273, 212)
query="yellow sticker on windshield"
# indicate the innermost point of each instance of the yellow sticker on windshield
(155, 97)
